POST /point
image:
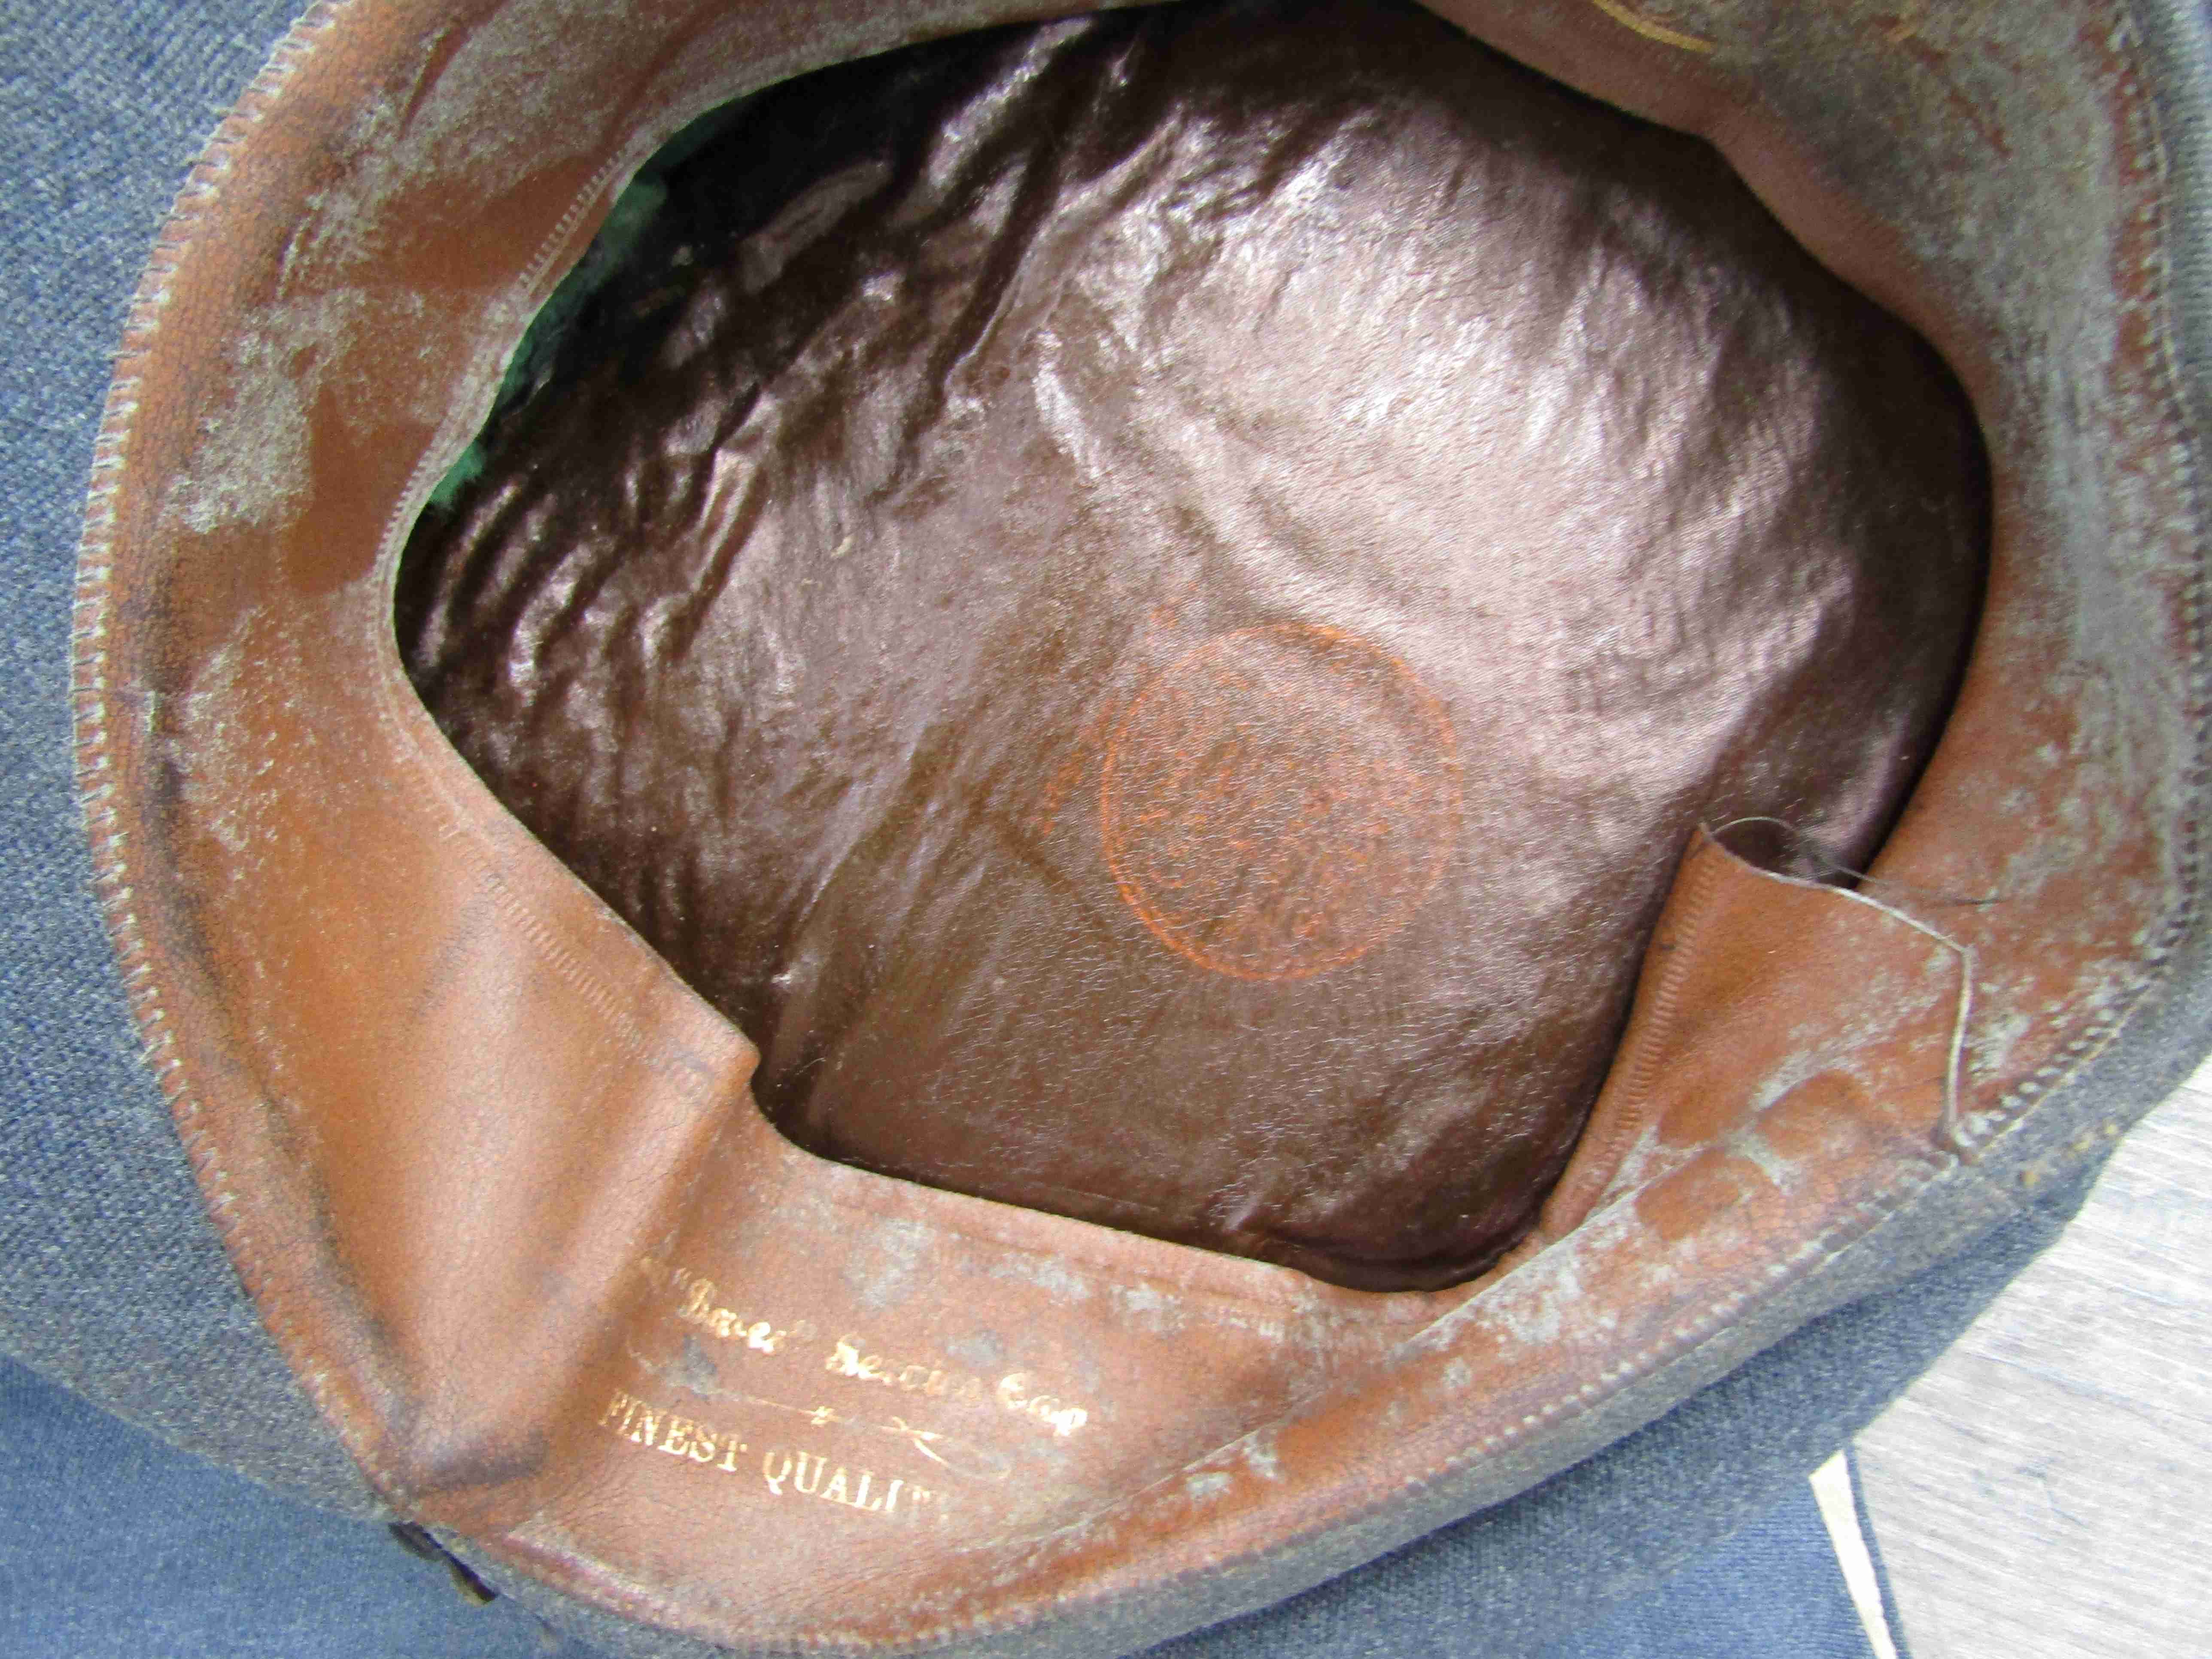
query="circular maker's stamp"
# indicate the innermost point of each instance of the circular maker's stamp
(1281, 801)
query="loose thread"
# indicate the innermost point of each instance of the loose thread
(1801, 843)
(1951, 1131)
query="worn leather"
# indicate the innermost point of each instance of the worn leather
(1149, 605)
(493, 1173)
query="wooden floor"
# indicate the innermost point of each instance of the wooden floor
(2047, 1490)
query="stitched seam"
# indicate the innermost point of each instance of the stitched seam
(1634, 1117)
(91, 695)
(1928, 1166)
(112, 857)
(2142, 111)
(1924, 1171)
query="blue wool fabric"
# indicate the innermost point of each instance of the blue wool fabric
(111, 1279)
(112, 1284)
(193, 1560)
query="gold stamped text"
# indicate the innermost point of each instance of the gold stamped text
(1056, 1414)
(1016, 1391)
(663, 1430)
(696, 1296)
(847, 1359)
(809, 1474)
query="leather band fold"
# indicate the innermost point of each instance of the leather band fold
(491, 1171)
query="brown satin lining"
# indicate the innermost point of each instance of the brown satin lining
(461, 1128)
(1149, 605)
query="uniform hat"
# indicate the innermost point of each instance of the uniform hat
(475, 1150)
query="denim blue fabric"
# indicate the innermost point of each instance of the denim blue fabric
(1774, 1588)
(1607, 1534)
(113, 1546)
(111, 1281)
